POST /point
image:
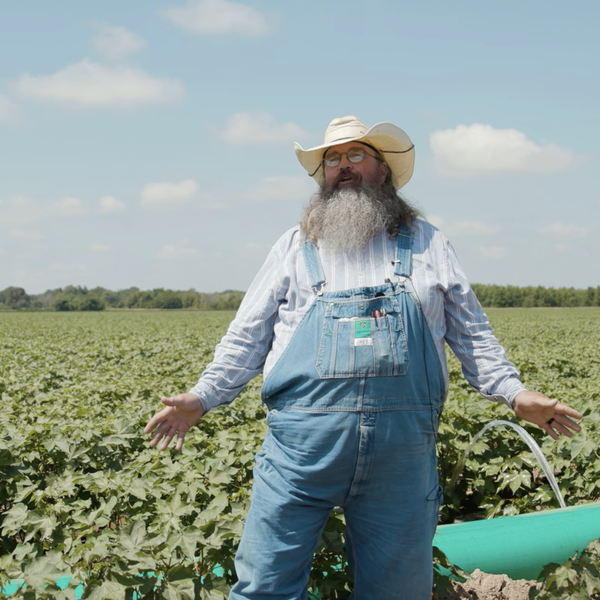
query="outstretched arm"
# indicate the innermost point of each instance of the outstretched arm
(239, 356)
(551, 415)
(484, 362)
(180, 414)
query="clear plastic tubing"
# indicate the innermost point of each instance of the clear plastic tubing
(535, 449)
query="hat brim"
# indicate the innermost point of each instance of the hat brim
(390, 141)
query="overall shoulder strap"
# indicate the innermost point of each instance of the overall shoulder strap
(314, 267)
(403, 260)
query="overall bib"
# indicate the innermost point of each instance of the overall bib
(354, 404)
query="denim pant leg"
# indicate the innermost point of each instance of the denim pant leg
(391, 516)
(301, 474)
(274, 558)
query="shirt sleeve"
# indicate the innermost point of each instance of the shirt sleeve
(470, 336)
(241, 354)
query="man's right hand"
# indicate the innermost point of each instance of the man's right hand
(179, 415)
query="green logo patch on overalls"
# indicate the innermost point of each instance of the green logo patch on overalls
(362, 333)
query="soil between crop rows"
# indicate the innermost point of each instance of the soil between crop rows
(483, 586)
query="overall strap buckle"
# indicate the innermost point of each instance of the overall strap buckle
(403, 259)
(318, 289)
(316, 277)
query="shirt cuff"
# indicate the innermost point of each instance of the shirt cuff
(202, 391)
(510, 389)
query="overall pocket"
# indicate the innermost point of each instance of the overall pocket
(362, 338)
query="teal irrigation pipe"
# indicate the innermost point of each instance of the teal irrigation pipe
(520, 546)
(63, 583)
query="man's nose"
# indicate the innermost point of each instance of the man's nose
(344, 162)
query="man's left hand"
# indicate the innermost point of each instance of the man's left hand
(551, 415)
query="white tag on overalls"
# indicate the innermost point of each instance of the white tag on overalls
(363, 341)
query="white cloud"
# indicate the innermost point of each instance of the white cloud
(260, 127)
(65, 207)
(9, 112)
(94, 85)
(24, 234)
(110, 205)
(63, 268)
(216, 17)
(467, 229)
(254, 249)
(117, 42)
(494, 252)
(560, 230)
(481, 149)
(175, 252)
(165, 195)
(282, 189)
(98, 248)
(19, 210)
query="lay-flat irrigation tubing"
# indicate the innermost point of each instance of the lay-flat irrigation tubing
(518, 546)
(521, 545)
(63, 583)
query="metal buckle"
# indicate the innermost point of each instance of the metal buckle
(318, 289)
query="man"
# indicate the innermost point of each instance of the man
(348, 319)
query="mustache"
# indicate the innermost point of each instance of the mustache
(347, 172)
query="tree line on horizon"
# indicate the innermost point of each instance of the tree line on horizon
(80, 298)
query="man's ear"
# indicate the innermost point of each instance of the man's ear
(383, 170)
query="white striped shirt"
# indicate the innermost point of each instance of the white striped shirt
(281, 294)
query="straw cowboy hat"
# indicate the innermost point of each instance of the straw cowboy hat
(390, 141)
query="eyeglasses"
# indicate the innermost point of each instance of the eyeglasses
(355, 156)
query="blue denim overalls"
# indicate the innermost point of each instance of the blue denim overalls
(354, 405)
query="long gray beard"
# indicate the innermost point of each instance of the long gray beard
(345, 220)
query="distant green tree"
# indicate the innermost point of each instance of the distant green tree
(167, 299)
(75, 290)
(80, 298)
(46, 299)
(530, 296)
(138, 299)
(89, 302)
(16, 297)
(188, 298)
(62, 303)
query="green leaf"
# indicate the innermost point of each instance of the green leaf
(180, 583)
(566, 576)
(187, 541)
(581, 445)
(6, 458)
(108, 590)
(515, 479)
(43, 570)
(40, 522)
(133, 536)
(14, 519)
(547, 570)
(215, 508)
(137, 488)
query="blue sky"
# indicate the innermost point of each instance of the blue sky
(149, 143)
